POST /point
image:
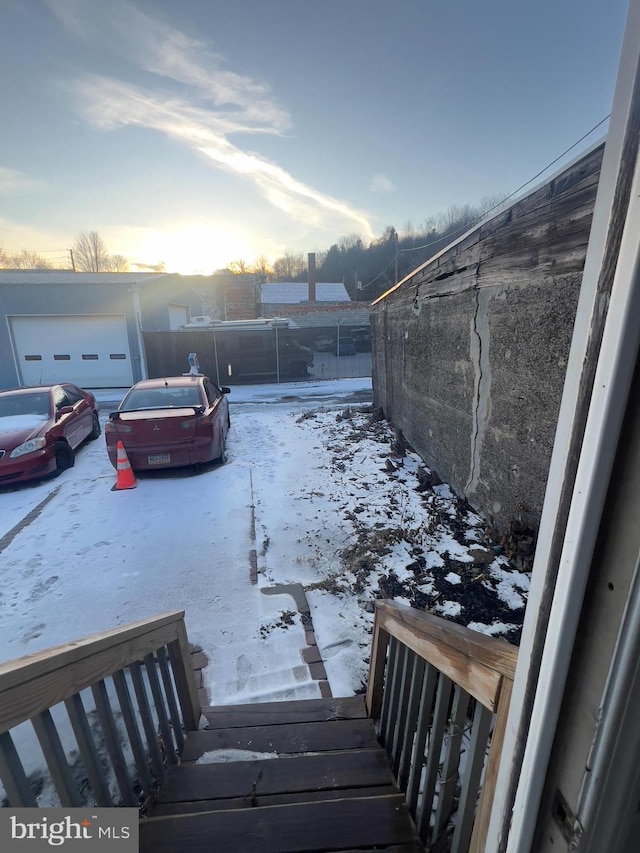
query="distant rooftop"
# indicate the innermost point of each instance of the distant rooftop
(70, 277)
(293, 292)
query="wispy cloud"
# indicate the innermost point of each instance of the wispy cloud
(381, 184)
(211, 104)
(13, 182)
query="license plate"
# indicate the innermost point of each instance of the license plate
(159, 458)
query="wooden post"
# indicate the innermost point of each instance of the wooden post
(180, 658)
(376, 670)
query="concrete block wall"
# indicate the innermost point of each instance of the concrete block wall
(470, 352)
(288, 309)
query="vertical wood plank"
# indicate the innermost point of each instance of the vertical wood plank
(148, 724)
(400, 733)
(434, 751)
(88, 751)
(128, 715)
(481, 825)
(184, 678)
(161, 710)
(392, 652)
(451, 759)
(112, 742)
(14, 779)
(471, 779)
(417, 678)
(424, 721)
(172, 704)
(61, 775)
(391, 718)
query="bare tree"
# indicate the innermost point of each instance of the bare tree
(262, 266)
(350, 241)
(289, 266)
(117, 263)
(239, 267)
(24, 260)
(90, 253)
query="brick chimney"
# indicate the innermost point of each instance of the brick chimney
(312, 276)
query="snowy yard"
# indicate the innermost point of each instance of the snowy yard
(331, 513)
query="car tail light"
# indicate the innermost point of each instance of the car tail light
(116, 430)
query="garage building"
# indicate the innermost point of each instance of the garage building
(85, 328)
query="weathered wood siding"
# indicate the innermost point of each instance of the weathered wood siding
(469, 353)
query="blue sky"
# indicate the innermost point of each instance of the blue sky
(203, 131)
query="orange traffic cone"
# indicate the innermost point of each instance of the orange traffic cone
(125, 478)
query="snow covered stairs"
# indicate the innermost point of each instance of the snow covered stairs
(323, 783)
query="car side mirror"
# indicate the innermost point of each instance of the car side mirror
(64, 410)
(113, 416)
(225, 390)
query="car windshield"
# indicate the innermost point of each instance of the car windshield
(25, 404)
(162, 398)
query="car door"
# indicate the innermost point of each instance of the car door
(216, 411)
(76, 424)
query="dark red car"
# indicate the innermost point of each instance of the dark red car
(40, 429)
(167, 423)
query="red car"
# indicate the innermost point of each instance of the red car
(40, 429)
(167, 423)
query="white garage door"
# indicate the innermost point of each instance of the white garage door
(89, 349)
(178, 316)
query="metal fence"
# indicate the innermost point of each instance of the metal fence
(277, 354)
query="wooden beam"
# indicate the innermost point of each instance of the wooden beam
(494, 654)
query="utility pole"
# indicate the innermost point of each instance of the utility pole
(395, 234)
(73, 263)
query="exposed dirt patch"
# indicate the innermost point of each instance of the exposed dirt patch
(412, 538)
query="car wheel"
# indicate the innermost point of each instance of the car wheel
(95, 428)
(65, 457)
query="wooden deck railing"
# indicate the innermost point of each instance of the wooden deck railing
(440, 694)
(149, 659)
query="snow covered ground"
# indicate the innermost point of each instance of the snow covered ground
(331, 514)
(335, 511)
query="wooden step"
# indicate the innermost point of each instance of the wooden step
(329, 825)
(198, 806)
(298, 711)
(284, 738)
(289, 774)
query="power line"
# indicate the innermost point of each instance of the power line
(469, 225)
(515, 192)
(34, 252)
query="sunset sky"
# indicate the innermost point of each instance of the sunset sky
(203, 131)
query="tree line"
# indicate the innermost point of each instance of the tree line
(89, 253)
(368, 270)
